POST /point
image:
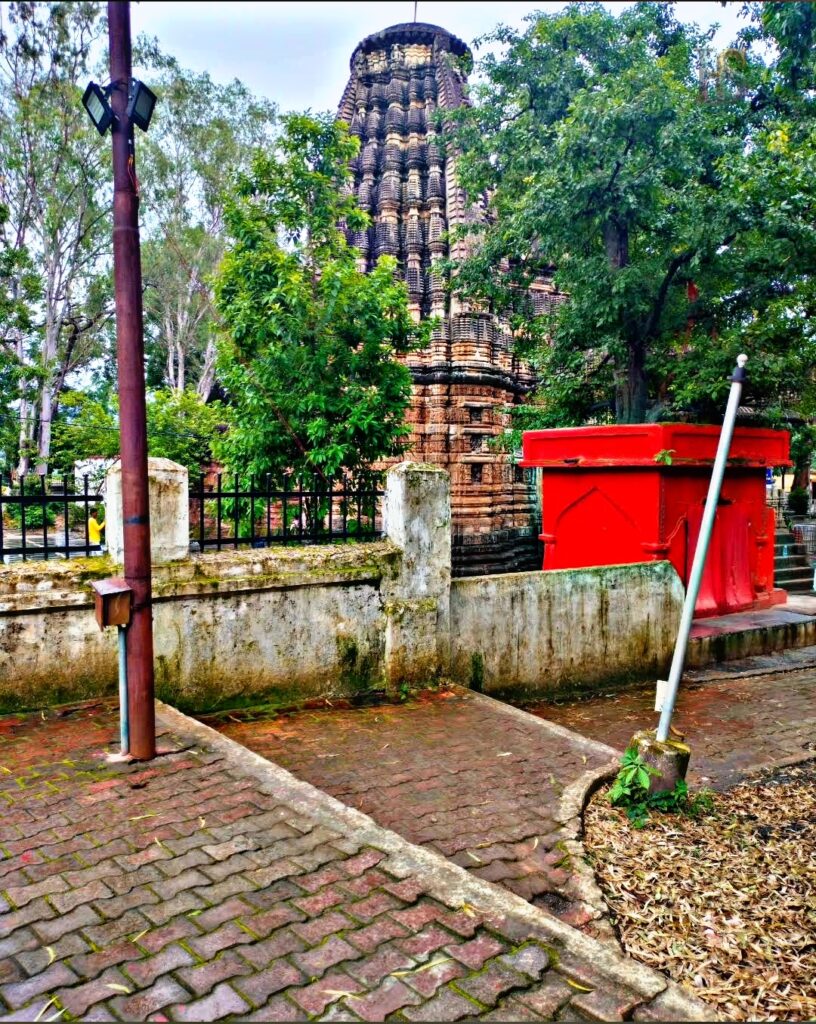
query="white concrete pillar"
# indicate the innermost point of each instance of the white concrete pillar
(417, 519)
(169, 511)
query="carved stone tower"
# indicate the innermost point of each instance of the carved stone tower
(468, 376)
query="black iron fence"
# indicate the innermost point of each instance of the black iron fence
(231, 511)
(46, 517)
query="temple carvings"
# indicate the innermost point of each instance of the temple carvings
(468, 376)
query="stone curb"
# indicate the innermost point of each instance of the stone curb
(445, 881)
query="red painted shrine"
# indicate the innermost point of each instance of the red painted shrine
(617, 494)
(464, 382)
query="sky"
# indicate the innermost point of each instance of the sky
(297, 54)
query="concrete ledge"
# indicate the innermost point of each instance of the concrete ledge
(745, 634)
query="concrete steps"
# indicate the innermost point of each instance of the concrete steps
(747, 634)
(792, 569)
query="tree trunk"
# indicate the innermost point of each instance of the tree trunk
(46, 417)
(207, 378)
(631, 390)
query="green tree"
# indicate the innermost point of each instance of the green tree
(308, 357)
(55, 187)
(202, 133)
(620, 153)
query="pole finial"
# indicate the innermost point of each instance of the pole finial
(742, 360)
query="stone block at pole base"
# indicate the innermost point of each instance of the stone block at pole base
(669, 759)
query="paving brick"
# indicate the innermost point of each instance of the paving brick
(19, 993)
(78, 1000)
(217, 871)
(438, 971)
(238, 844)
(318, 879)
(223, 890)
(20, 895)
(128, 924)
(157, 938)
(280, 974)
(207, 946)
(314, 931)
(284, 868)
(89, 965)
(186, 880)
(164, 911)
(19, 940)
(272, 895)
(36, 910)
(387, 998)
(446, 1005)
(281, 943)
(166, 992)
(476, 952)
(487, 986)
(613, 1002)
(202, 978)
(49, 931)
(377, 933)
(221, 913)
(357, 865)
(118, 905)
(316, 997)
(363, 884)
(65, 901)
(278, 1009)
(511, 1009)
(371, 971)
(145, 971)
(377, 903)
(427, 941)
(191, 859)
(330, 953)
(320, 901)
(416, 917)
(223, 1001)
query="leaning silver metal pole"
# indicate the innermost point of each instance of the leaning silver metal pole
(706, 526)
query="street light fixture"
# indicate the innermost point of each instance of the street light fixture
(141, 102)
(95, 101)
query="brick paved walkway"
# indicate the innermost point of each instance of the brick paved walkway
(483, 784)
(735, 725)
(210, 884)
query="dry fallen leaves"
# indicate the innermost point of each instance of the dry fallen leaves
(725, 904)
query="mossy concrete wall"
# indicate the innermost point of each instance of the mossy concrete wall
(282, 625)
(541, 634)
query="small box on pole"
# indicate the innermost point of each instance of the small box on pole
(113, 599)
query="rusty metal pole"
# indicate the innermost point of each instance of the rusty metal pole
(127, 274)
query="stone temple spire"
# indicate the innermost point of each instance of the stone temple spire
(401, 80)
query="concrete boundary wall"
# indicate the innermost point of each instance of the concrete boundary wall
(283, 625)
(537, 634)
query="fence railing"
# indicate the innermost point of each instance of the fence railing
(46, 517)
(232, 511)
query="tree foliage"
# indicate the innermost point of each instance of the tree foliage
(671, 191)
(55, 189)
(308, 357)
(201, 135)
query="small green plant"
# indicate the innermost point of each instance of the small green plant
(404, 692)
(665, 457)
(630, 791)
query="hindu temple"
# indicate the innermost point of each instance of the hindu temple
(403, 80)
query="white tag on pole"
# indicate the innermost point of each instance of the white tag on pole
(660, 693)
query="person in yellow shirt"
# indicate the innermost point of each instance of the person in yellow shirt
(95, 528)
